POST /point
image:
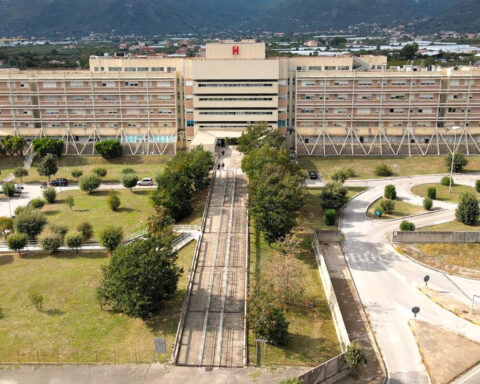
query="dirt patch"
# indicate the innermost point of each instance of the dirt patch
(445, 354)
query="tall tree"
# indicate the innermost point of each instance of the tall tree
(48, 166)
(258, 135)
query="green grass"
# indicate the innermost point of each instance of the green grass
(442, 192)
(71, 321)
(462, 255)
(8, 164)
(146, 166)
(453, 226)
(402, 209)
(364, 167)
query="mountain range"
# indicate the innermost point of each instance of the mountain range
(149, 17)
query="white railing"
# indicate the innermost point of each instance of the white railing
(186, 228)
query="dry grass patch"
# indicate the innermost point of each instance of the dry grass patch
(462, 255)
(442, 192)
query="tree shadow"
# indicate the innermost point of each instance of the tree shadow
(53, 312)
(143, 192)
(52, 212)
(6, 259)
(2, 315)
(126, 209)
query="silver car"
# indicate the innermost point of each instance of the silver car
(146, 181)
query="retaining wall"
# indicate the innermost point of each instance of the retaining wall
(327, 373)
(333, 236)
(435, 237)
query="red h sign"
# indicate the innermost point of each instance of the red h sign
(235, 50)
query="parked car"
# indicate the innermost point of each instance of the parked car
(18, 188)
(313, 175)
(145, 181)
(61, 182)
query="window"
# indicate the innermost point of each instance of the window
(307, 111)
(108, 84)
(315, 68)
(452, 110)
(131, 83)
(49, 85)
(164, 97)
(363, 111)
(341, 83)
(364, 97)
(76, 84)
(308, 97)
(111, 111)
(158, 69)
(281, 123)
(189, 83)
(163, 84)
(365, 83)
(78, 98)
(130, 69)
(308, 83)
(109, 98)
(51, 112)
(426, 97)
(396, 110)
(340, 111)
(330, 68)
(341, 97)
(114, 69)
(343, 68)
(165, 112)
(132, 98)
(397, 97)
(427, 82)
(133, 111)
(142, 69)
(398, 83)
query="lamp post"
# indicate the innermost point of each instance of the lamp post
(455, 128)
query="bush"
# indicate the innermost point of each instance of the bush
(17, 241)
(407, 226)
(333, 196)
(20, 172)
(20, 209)
(50, 195)
(70, 201)
(459, 162)
(74, 240)
(50, 241)
(468, 210)
(6, 226)
(29, 221)
(269, 322)
(128, 170)
(86, 230)
(89, 183)
(109, 149)
(330, 217)
(111, 237)
(8, 189)
(477, 186)
(77, 173)
(387, 206)
(390, 192)
(427, 203)
(383, 171)
(37, 203)
(432, 193)
(343, 174)
(58, 229)
(355, 356)
(129, 180)
(45, 145)
(446, 181)
(113, 201)
(36, 299)
(48, 166)
(100, 171)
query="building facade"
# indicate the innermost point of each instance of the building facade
(325, 105)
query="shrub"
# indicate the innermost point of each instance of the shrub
(330, 217)
(383, 171)
(407, 226)
(100, 171)
(446, 181)
(17, 241)
(387, 206)
(45, 145)
(37, 203)
(390, 192)
(89, 183)
(427, 203)
(6, 225)
(459, 162)
(74, 240)
(333, 196)
(468, 210)
(58, 229)
(50, 241)
(355, 356)
(70, 201)
(20, 209)
(111, 237)
(86, 230)
(269, 322)
(432, 193)
(20, 172)
(128, 170)
(8, 189)
(50, 195)
(48, 166)
(477, 186)
(29, 221)
(343, 174)
(77, 173)
(129, 180)
(36, 299)
(113, 201)
(109, 149)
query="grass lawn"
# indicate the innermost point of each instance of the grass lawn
(463, 255)
(71, 322)
(364, 167)
(8, 164)
(146, 166)
(442, 191)
(452, 226)
(402, 209)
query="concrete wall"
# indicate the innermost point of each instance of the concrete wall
(435, 237)
(327, 373)
(328, 236)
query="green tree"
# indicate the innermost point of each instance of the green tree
(86, 230)
(390, 192)
(355, 356)
(330, 217)
(129, 180)
(37, 203)
(89, 183)
(128, 170)
(409, 51)
(13, 145)
(468, 210)
(343, 174)
(111, 237)
(20, 172)
(29, 221)
(45, 145)
(257, 136)
(16, 242)
(477, 186)
(77, 173)
(50, 195)
(446, 181)
(100, 171)
(74, 240)
(70, 201)
(459, 162)
(387, 206)
(383, 171)
(258, 159)
(109, 149)
(432, 193)
(48, 166)
(58, 229)
(427, 203)
(6, 226)
(8, 189)
(333, 196)
(406, 225)
(50, 242)
(113, 201)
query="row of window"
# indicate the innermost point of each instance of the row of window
(229, 85)
(236, 113)
(395, 83)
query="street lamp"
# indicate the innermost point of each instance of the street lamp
(455, 128)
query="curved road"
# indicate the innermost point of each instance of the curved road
(387, 281)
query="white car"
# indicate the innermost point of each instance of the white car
(145, 182)
(18, 188)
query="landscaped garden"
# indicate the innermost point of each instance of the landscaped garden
(401, 209)
(443, 193)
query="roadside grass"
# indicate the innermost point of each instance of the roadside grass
(462, 255)
(402, 209)
(71, 327)
(442, 192)
(146, 166)
(453, 226)
(365, 167)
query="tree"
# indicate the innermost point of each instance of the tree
(355, 356)
(37, 203)
(409, 51)
(468, 210)
(8, 189)
(70, 201)
(198, 165)
(387, 206)
(50, 242)
(129, 180)
(58, 229)
(113, 201)
(383, 171)
(258, 159)
(427, 203)
(74, 240)
(128, 170)
(77, 173)
(432, 193)
(16, 242)
(89, 183)
(50, 195)
(258, 135)
(274, 200)
(86, 230)
(459, 162)
(390, 192)
(111, 237)
(343, 174)
(446, 181)
(100, 171)
(43, 146)
(20, 172)
(36, 299)
(13, 145)
(48, 166)
(477, 186)
(109, 149)
(140, 277)
(406, 225)
(333, 196)
(330, 217)
(29, 221)
(6, 226)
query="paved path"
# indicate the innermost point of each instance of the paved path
(387, 281)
